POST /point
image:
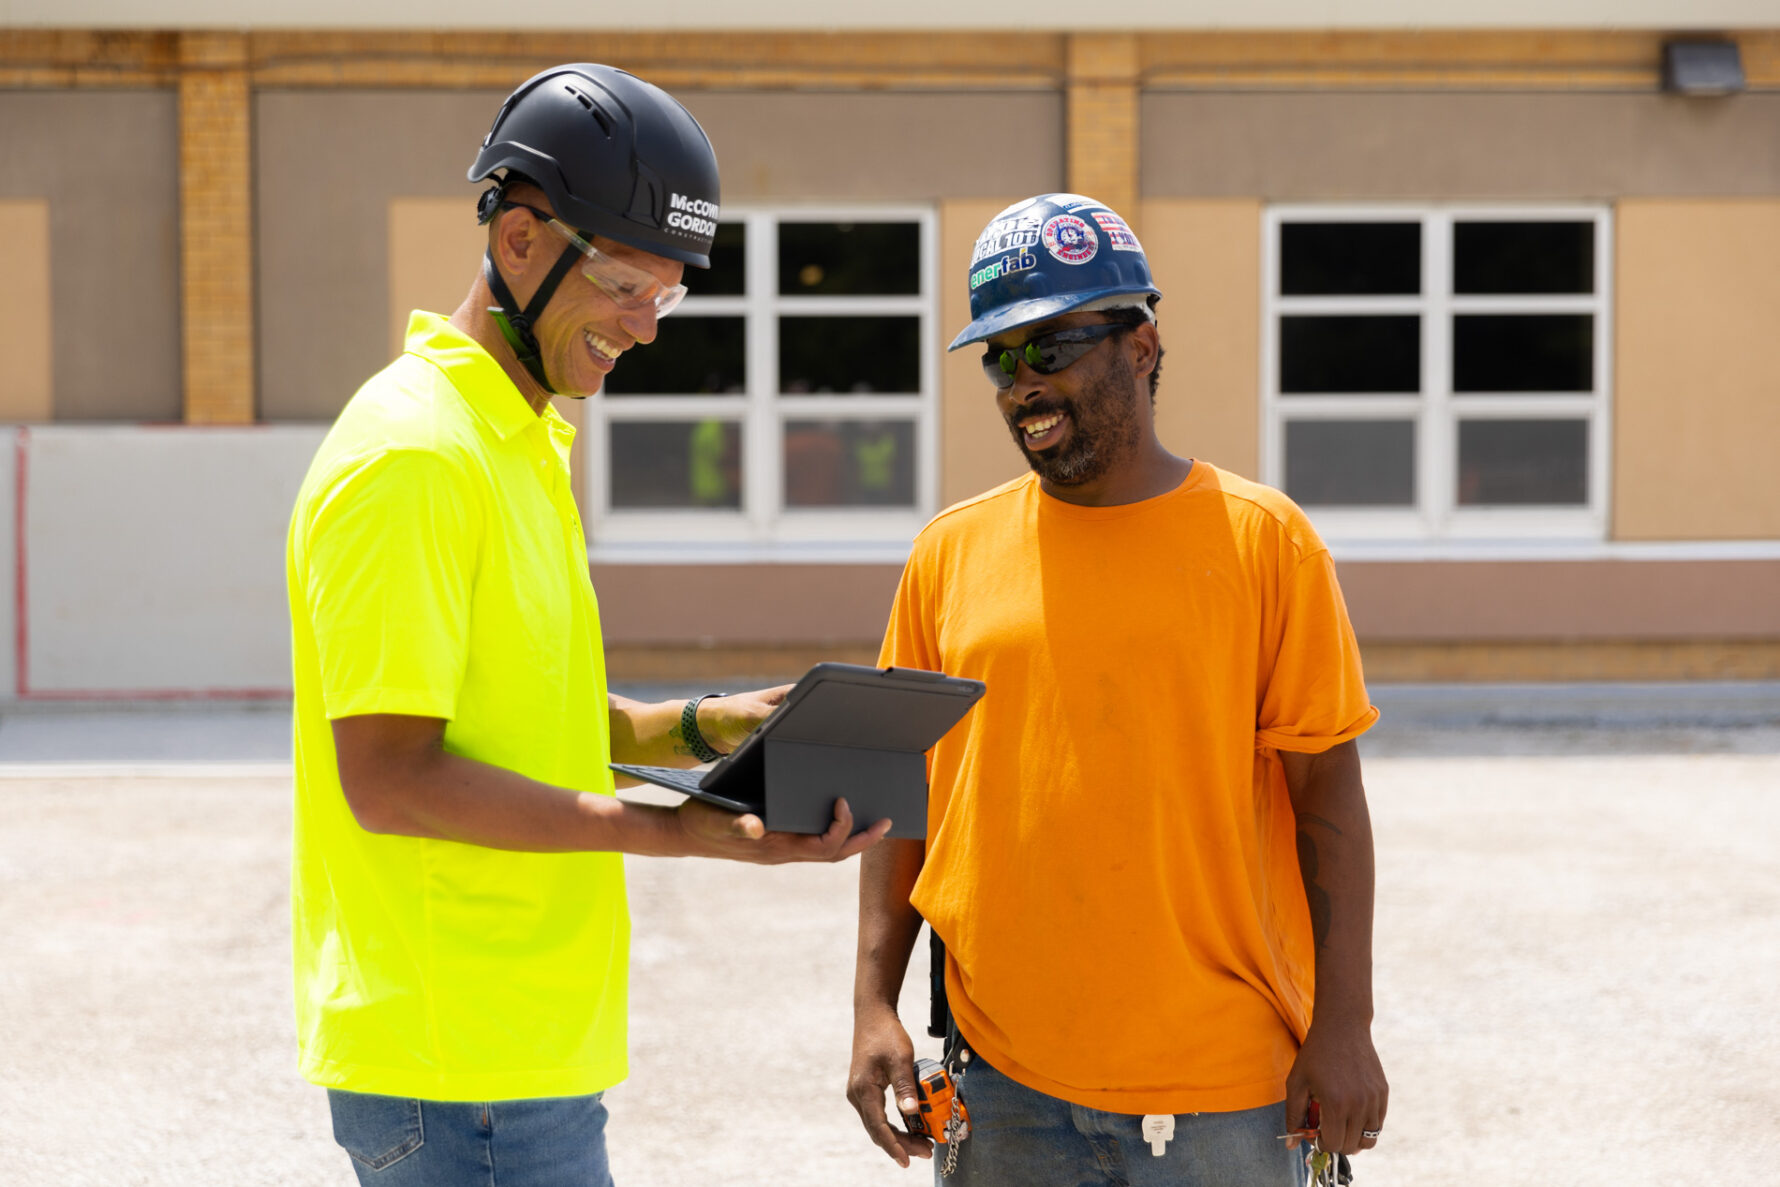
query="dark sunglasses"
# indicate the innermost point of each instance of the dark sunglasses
(1048, 353)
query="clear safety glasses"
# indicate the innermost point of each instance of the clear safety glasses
(1048, 353)
(629, 286)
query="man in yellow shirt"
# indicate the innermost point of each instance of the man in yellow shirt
(1148, 852)
(458, 912)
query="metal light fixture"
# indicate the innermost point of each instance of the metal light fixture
(1702, 68)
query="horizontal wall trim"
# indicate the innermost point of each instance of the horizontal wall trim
(1360, 551)
(919, 55)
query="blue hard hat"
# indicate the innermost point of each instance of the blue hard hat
(1046, 256)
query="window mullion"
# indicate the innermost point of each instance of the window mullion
(761, 482)
(1437, 435)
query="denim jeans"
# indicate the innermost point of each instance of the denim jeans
(1022, 1138)
(397, 1142)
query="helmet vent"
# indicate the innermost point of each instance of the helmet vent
(593, 109)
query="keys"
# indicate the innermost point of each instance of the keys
(1326, 1169)
(1158, 1129)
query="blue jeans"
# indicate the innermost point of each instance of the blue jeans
(397, 1142)
(1022, 1138)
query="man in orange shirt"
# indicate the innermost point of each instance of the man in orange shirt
(1148, 851)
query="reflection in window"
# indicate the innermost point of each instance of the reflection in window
(676, 464)
(691, 355)
(728, 274)
(1523, 462)
(852, 259)
(1350, 354)
(1351, 463)
(1523, 258)
(1350, 259)
(849, 355)
(793, 387)
(1523, 352)
(850, 463)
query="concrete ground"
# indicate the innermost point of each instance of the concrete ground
(1578, 939)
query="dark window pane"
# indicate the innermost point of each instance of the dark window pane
(1344, 259)
(1350, 354)
(679, 464)
(690, 356)
(1523, 258)
(849, 354)
(1351, 463)
(728, 274)
(850, 463)
(1517, 462)
(1523, 352)
(849, 258)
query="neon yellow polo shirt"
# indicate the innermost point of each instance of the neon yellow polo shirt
(437, 568)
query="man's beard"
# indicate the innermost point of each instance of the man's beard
(1103, 429)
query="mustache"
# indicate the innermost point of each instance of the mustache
(1038, 408)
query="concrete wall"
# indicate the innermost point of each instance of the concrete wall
(105, 164)
(1372, 145)
(152, 560)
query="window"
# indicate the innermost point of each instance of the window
(788, 405)
(1438, 373)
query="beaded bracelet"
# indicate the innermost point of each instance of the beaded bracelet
(701, 749)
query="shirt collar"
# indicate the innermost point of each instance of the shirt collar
(474, 373)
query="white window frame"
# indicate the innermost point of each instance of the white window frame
(764, 529)
(1436, 410)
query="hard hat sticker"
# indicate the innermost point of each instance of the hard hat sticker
(693, 218)
(1118, 235)
(1014, 261)
(1070, 239)
(1005, 235)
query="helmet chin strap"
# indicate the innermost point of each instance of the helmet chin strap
(516, 324)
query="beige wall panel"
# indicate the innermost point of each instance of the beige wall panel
(976, 452)
(1697, 381)
(1458, 601)
(1360, 145)
(1206, 259)
(107, 164)
(744, 605)
(25, 342)
(429, 240)
(328, 164)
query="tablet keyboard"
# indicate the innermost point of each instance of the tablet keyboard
(670, 777)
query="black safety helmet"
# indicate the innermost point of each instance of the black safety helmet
(615, 155)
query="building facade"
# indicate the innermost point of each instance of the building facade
(1496, 305)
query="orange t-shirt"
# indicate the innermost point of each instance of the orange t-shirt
(1111, 850)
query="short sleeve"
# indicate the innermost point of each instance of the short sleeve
(392, 550)
(910, 641)
(1314, 696)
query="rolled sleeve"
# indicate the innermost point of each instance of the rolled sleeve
(1314, 697)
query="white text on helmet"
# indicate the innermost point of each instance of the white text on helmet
(693, 205)
(1006, 266)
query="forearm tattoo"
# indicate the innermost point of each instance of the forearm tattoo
(1310, 867)
(678, 736)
